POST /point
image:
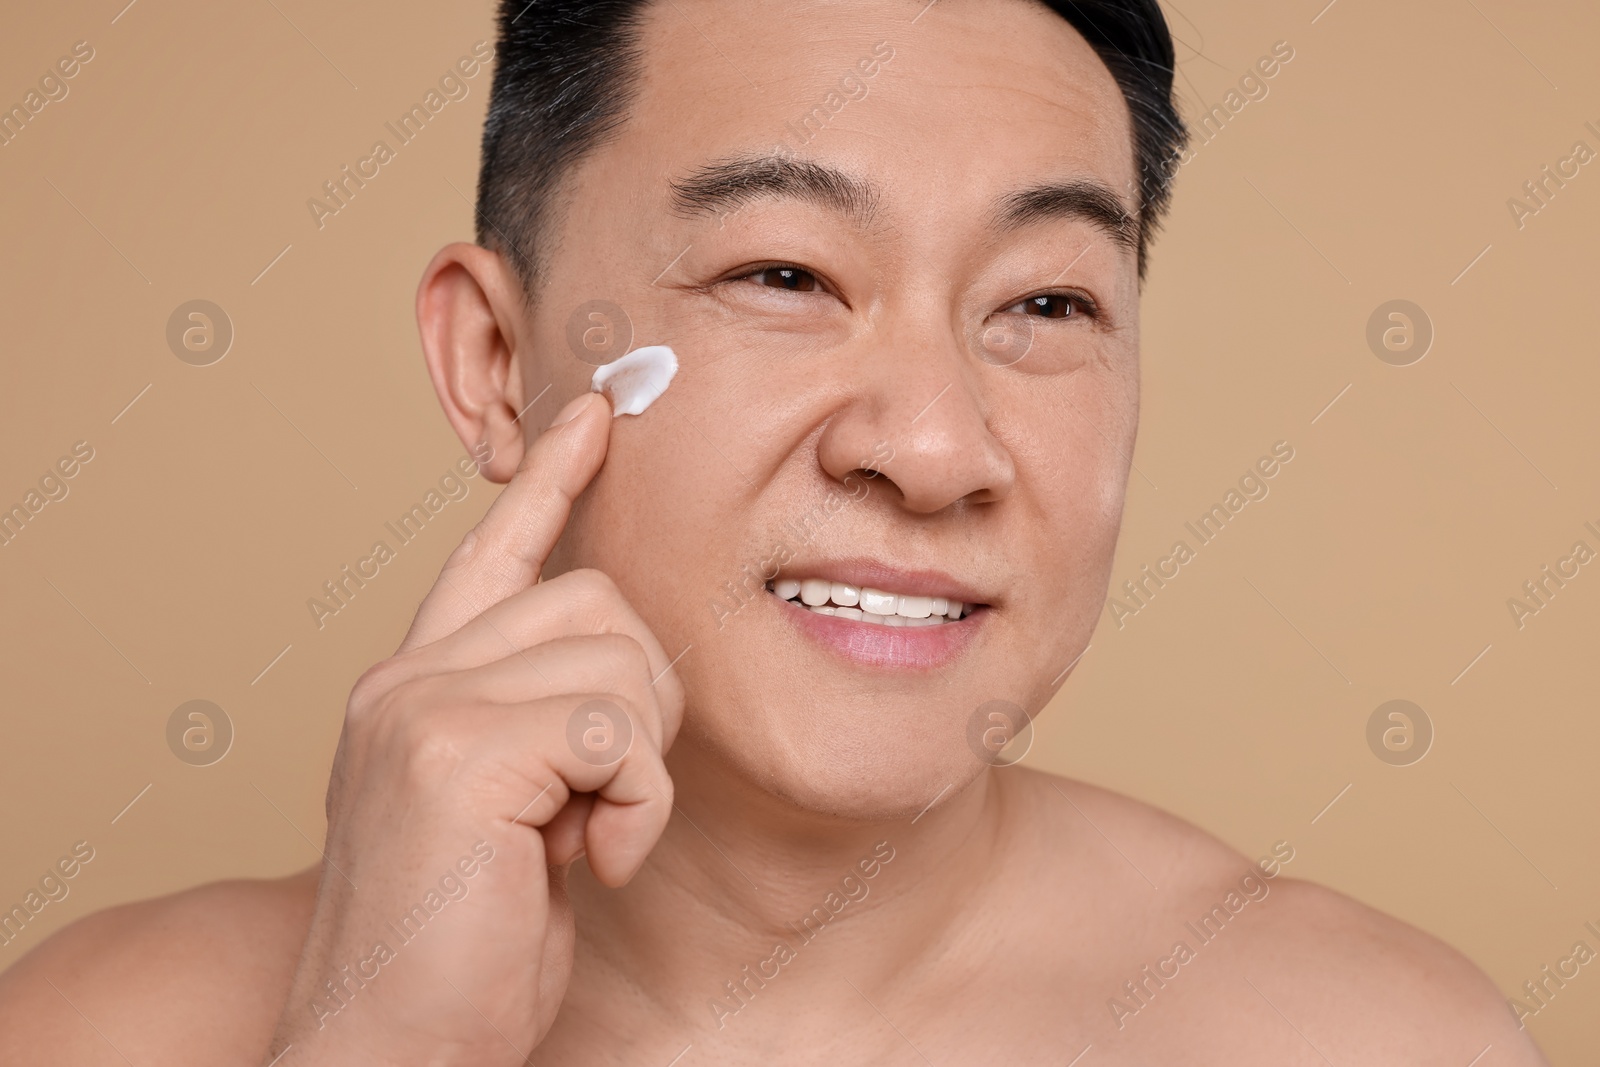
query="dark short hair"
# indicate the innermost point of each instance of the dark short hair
(565, 75)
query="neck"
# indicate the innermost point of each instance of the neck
(744, 886)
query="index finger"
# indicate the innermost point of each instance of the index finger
(505, 552)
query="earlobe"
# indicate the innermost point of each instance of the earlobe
(469, 318)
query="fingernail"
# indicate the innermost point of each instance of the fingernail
(571, 411)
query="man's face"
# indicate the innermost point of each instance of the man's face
(820, 332)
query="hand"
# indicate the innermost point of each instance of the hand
(442, 932)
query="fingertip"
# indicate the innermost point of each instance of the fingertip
(618, 841)
(613, 863)
(577, 406)
(609, 872)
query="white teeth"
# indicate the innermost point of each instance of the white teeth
(879, 603)
(815, 591)
(916, 607)
(862, 604)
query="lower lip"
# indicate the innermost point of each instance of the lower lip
(873, 644)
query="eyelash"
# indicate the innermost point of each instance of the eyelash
(1082, 303)
(765, 267)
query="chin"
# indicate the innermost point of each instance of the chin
(871, 762)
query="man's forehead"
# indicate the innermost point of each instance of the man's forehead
(993, 83)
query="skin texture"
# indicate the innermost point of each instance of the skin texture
(765, 766)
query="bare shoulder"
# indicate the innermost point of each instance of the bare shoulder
(1270, 965)
(1323, 956)
(1149, 845)
(195, 977)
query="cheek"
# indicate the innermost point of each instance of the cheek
(1118, 405)
(666, 516)
(1081, 438)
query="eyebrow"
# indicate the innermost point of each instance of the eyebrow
(729, 184)
(1087, 199)
(733, 183)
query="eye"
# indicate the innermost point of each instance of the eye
(1057, 306)
(783, 276)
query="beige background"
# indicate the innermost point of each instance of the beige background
(1379, 567)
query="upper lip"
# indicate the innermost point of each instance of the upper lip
(863, 572)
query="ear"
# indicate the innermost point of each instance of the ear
(470, 315)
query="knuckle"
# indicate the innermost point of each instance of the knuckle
(424, 743)
(623, 654)
(375, 682)
(381, 682)
(388, 696)
(629, 706)
(594, 585)
(407, 729)
(628, 729)
(593, 599)
(663, 782)
(464, 552)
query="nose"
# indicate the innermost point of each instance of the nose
(917, 416)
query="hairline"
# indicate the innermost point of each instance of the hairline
(543, 220)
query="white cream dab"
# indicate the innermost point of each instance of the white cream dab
(635, 380)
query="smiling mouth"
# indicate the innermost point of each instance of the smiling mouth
(866, 604)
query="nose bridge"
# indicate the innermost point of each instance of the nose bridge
(919, 408)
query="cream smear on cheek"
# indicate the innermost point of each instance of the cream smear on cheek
(635, 380)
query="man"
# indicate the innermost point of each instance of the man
(678, 762)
